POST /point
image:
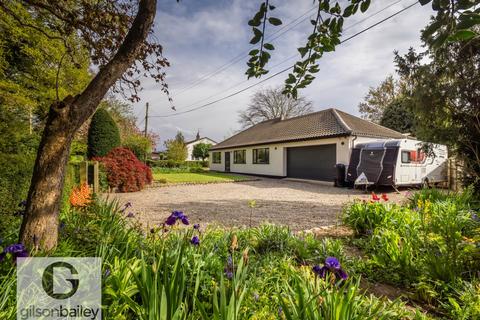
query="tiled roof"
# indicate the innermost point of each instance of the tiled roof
(322, 124)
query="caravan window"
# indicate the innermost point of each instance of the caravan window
(406, 157)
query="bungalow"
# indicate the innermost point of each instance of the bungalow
(304, 147)
(191, 144)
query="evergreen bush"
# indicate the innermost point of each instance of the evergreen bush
(103, 134)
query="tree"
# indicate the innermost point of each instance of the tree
(200, 150)
(103, 134)
(399, 117)
(445, 98)
(270, 104)
(378, 99)
(176, 148)
(138, 144)
(114, 47)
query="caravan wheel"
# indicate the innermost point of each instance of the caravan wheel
(425, 184)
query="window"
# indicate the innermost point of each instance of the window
(406, 157)
(216, 157)
(239, 156)
(261, 156)
(412, 156)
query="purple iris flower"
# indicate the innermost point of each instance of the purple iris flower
(177, 215)
(475, 217)
(17, 250)
(171, 220)
(195, 241)
(196, 226)
(331, 265)
(130, 215)
(107, 272)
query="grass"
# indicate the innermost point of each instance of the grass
(197, 177)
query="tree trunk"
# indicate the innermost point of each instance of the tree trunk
(40, 225)
(40, 229)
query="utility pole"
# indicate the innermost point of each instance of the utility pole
(146, 119)
(146, 128)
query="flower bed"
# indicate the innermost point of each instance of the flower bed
(180, 269)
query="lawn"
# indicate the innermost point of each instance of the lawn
(196, 177)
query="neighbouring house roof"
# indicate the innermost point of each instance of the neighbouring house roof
(192, 141)
(322, 124)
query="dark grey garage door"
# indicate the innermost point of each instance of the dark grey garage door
(312, 162)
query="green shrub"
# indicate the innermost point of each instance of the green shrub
(197, 163)
(313, 299)
(165, 163)
(177, 164)
(15, 176)
(364, 216)
(138, 144)
(271, 238)
(103, 134)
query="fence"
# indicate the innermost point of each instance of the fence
(85, 172)
(454, 174)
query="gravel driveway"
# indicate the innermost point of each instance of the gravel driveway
(300, 205)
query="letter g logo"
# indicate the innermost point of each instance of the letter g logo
(48, 279)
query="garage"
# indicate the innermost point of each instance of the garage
(312, 162)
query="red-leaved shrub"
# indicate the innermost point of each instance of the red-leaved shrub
(124, 171)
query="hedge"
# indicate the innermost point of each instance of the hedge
(177, 164)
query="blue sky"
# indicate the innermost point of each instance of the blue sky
(199, 37)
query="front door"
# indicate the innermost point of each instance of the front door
(227, 161)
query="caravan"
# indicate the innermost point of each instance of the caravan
(397, 162)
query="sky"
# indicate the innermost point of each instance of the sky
(202, 37)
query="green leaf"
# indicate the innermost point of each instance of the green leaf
(303, 51)
(348, 11)
(253, 52)
(275, 21)
(424, 2)
(254, 23)
(268, 46)
(467, 21)
(291, 79)
(462, 35)
(257, 36)
(364, 6)
(271, 7)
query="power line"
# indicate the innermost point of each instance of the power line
(240, 57)
(272, 37)
(291, 57)
(284, 70)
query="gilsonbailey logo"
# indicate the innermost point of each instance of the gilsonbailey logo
(62, 312)
(59, 288)
(47, 280)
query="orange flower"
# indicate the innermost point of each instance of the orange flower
(81, 196)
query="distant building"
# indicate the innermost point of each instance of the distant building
(191, 144)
